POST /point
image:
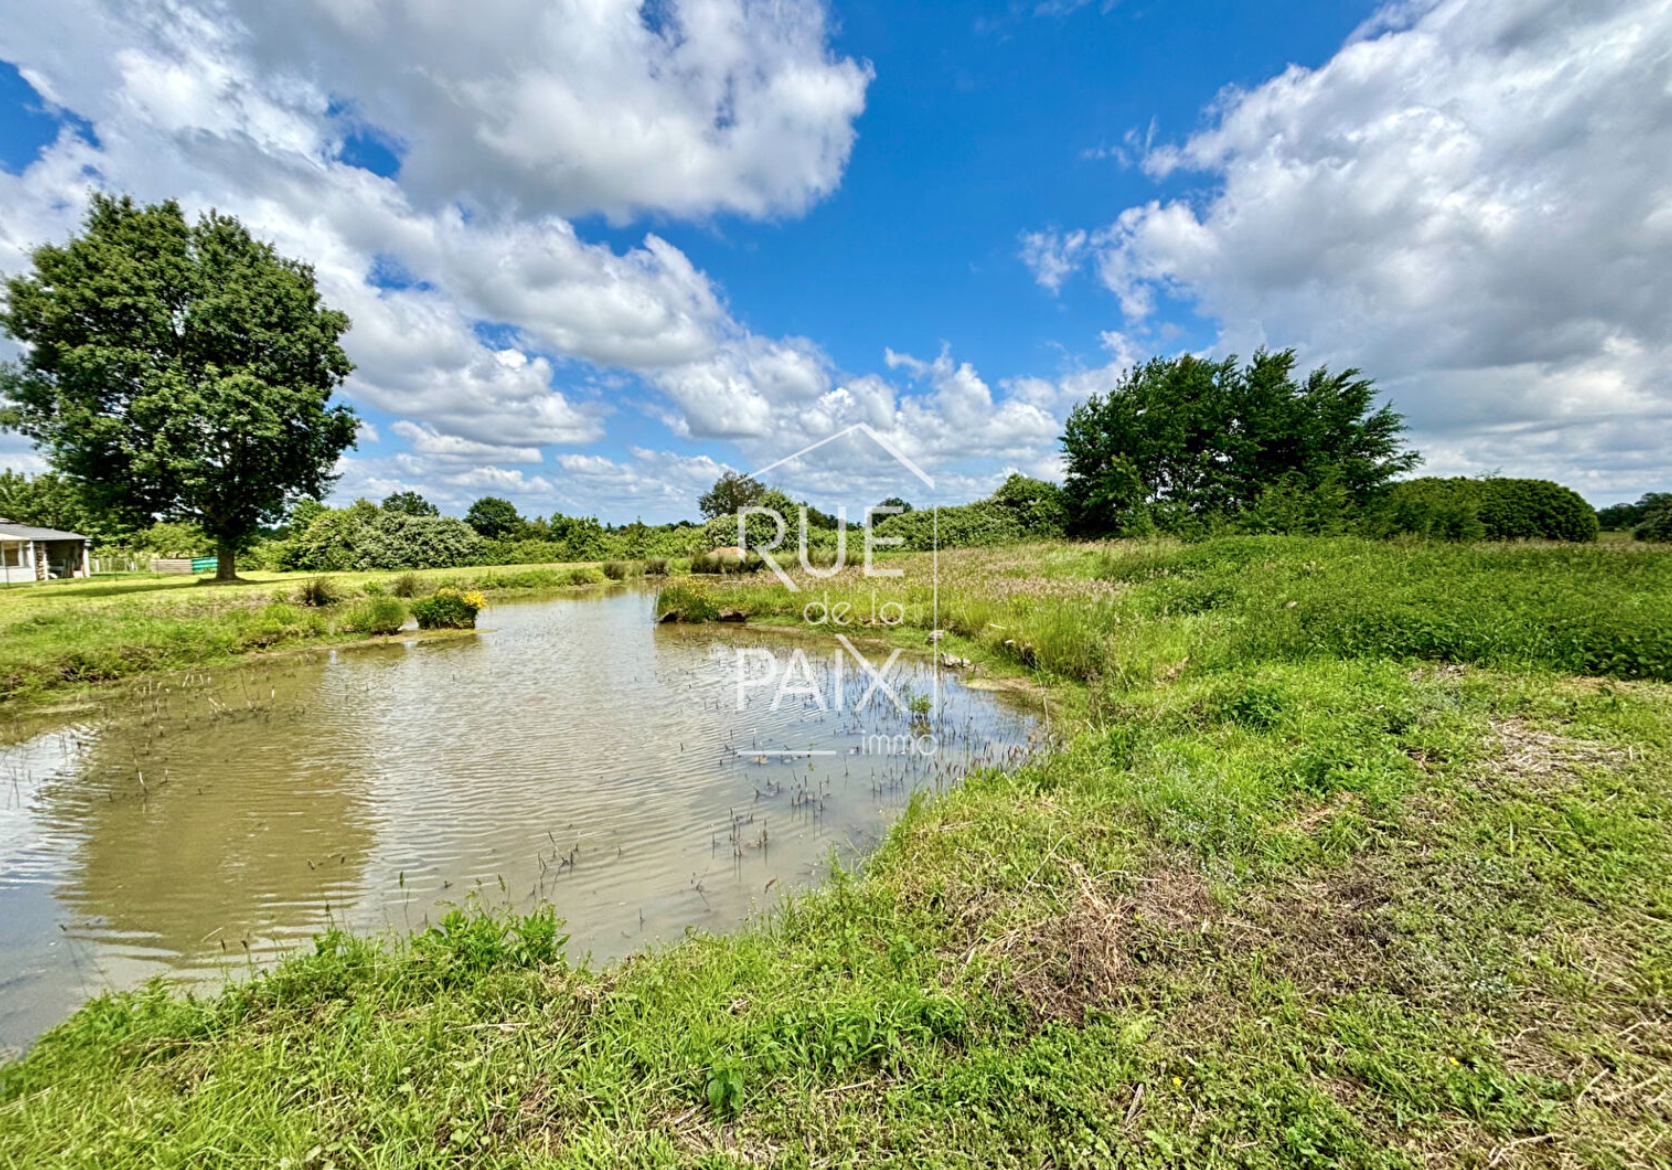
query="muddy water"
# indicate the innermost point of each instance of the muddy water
(575, 753)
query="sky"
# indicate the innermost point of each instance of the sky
(596, 252)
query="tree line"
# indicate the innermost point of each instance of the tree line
(179, 376)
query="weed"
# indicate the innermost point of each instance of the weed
(409, 585)
(375, 615)
(318, 592)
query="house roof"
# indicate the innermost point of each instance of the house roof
(10, 531)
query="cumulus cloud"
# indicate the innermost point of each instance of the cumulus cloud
(1473, 201)
(472, 296)
(572, 107)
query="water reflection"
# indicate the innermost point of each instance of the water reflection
(576, 754)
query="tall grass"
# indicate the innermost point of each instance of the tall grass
(1120, 611)
(1285, 896)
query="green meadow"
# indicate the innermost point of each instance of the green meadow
(1345, 854)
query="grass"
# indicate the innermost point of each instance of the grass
(1280, 899)
(64, 635)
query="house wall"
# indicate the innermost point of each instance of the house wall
(24, 569)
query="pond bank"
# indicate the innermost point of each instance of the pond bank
(606, 769)
(1348, 908)
(56, 640)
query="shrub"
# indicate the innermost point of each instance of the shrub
(448, 609)
(583, 576)
(1657, 525)
(278, 622)
(319, 591)
(1490, 509)
(507, 551)
(1437, 509)
(962, 526)
(656, 567)
(1293, 507)
(363, 536)
(620, 570)
(1626, 517)
(400, 540)
(726, 560)
(1535, 509)
(375, 615)
(1039, 505)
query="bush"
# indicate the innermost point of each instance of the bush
(399, 540)
(656, 567)
(1292, 507)
(962, 526)
(408, 585)
(375, 615)
(523, 552)
(1627, 517)
(1535, 509)
(726, 560)
(363, 536)
(1657, 525)
(1436, 509)
(620, 570)
(320, 591)
(279, 622)
(1489, 509)
(448, 609)
(1038, 504)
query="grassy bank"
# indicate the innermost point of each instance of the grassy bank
(1377, 878)
(68, 634)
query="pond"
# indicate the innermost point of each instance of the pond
(573, 753)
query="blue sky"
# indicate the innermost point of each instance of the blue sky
(596, 253)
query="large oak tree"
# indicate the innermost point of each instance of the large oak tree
(178, 371)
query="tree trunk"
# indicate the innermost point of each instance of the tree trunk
(226, 561)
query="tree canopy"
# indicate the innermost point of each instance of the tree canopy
(1182, 438)
(493, 517)
(1626, 517)
(409, 503)
(731, 491)
(50, 501)
(178, 371)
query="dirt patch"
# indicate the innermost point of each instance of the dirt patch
(1542, 759)
(1066, 963)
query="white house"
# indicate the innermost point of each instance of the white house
(28, 553)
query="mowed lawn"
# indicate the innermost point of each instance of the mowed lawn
(73, 633)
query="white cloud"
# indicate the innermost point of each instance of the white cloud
(521, 114)
(1473, 201)
(1053, 255)
(549, 106)
(425, 441)
(657, 485)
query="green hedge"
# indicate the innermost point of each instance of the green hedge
(1485, 509)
